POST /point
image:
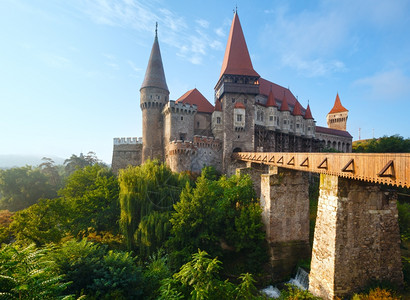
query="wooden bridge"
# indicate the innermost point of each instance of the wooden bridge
(356, 237)
(384, 168)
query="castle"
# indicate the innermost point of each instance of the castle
(250, 114)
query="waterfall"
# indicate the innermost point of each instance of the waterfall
(271, 291)
(301, 279)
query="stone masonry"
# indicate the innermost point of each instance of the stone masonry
(356, 238)
(285, 204)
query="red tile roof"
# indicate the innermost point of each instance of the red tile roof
(320, 129)
(308, 113)
(239, 105)
(271, 99)
(218, 106)
(284, 106)
(237, 60)
(195, 97)
(337, 107)
(297, 110)
(265, 86)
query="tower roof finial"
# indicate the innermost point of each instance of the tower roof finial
(156, 29)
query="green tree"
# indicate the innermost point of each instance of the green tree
(48, 168)
(42, 223)
(385, 144)
(96, 272)
(26, 274)
(78, 162)
(144, 190)
(224, 218)
(22, 187)
(91, 199)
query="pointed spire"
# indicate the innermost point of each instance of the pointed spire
(218, 106)
(237, 60)
(271, 99)
(337, 107)
(284, 106)
(297, 110)
(154, 75)
(308, 113)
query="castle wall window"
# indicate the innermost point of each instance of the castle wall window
(182, 118)
(233, 100)
(218, 120)
(239, 118)
(270, 118)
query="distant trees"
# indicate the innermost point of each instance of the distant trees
(22, 187)
(78, 162)
(385, 144)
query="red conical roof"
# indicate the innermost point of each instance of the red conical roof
(297, 110)
(284, 106)
(195, 97)
(239, 105)
(308, 113)
(271, 99)
(218, 106)
(337, 107)
(237, 60)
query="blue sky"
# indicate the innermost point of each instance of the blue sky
(70, 71)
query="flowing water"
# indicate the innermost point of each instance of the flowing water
(301, 279)
(271, 291)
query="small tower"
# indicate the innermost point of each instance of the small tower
(154, 95)
(337, 117)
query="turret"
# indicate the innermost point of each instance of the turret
(154, 95)
(337, 117)
(285, 114)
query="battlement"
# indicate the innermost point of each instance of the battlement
(127, 141)
(181, 147)
(180, 108)
(206, 142)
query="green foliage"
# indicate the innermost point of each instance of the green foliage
(5, 220)
(155, 272)
(385, 144)
(143, 190)
(48, 168)
(75, 162)
(224, 218)
(26, 274)
(199, 279)
(22, 187)
(97, 273)
(404, 220)
(41, 223)
(91, 199)
(377, 293)
(294, 293)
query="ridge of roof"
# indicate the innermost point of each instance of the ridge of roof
(308, 113)
(237, 60)
(154, 74)
(195, 97)
(265, 86)
(337, 107)
(326, 130)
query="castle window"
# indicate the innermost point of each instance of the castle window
(182, 136)
(245, 101)
(157, 97)
(297, 125)
(197, 124)
(182, 118)
(239, 118)
(270, 118)
(233, 100)
(218, 120)
(150, 96)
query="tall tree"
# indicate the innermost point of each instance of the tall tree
(78, 162)
(145, 189)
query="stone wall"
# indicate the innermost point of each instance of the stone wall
(124, 155)
(356, 238)
(285, 204)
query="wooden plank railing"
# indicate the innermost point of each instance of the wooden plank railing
(387, 168)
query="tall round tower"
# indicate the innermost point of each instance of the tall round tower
(154, 95)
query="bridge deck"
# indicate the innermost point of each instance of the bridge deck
(387, 168)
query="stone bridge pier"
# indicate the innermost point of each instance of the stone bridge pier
(356, 238)
(284, 200)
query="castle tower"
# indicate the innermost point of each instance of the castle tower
(337, 117)
(154, 95)
(236, 90)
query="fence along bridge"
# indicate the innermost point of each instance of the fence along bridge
(356, 238)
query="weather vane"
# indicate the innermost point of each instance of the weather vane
(156, 28)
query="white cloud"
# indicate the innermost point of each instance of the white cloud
(56, 61)
(132, 65)
(220, 32)
(388, 86)
(203, 23)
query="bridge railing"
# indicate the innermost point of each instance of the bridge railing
(386, 168)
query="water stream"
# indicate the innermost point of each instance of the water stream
(301, 280)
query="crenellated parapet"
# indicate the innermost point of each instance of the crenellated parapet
(173, 107)
(207, 142)
(127, 141)
(181, 148)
